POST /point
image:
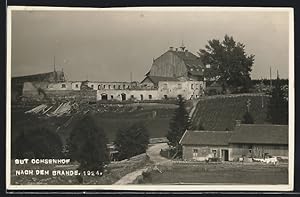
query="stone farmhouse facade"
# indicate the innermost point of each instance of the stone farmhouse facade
(174, 73)
(246, 140)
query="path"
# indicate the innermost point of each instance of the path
(154, 154)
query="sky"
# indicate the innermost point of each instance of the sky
(106, 45)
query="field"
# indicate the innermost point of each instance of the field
(224, 173)
(220, 112)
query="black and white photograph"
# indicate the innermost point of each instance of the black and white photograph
(150, 98)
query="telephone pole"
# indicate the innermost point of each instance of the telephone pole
(271, 77)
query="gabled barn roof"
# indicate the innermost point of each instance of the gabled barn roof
(192, 62)
(260, 134)
(205, 137)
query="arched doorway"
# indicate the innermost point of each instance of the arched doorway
(123, 96)
(104, 97)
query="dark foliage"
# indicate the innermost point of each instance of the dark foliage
(37, 143)
(247, 118)
(132, 140)
(178, 125)
(229, 64)
(278, 106)
(88, 145)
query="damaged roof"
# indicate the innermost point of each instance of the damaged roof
(205, 137)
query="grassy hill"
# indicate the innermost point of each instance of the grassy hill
(220, 112)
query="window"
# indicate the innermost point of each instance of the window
(195, 152)
(99, 87)
(142, 97)
(119, 87)
(124, 86)
(103, 86)
(63, 85)
(114, 86)
(165, 96)
(250, 148)
(214, 153)
(92, 86)
(108, 86)
(112, 96)
(132, 96)
(76, 86)
(192, 86)
(150, 96)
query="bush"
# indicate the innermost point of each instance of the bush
(132, 141)
(37, 143)
(88, 145)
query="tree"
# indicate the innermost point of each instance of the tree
(278, 105)
(37, 142)
(88, 145)
(178, 125)
(132, 141)
(229, 63)
(247, 118)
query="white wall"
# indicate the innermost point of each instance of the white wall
(109, 85)
(60, 86)
(117, 94)
(187, 89)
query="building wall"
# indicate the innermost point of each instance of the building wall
(187, 89)
(32, 89)
(258, 150)
(129, 95)
(203, 151)
(168, 65)
(76, 85)
(147, 83)
(79, 96)
(62, 90)
(111, 85)
(60, 86)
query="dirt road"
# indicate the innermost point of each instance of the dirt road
(154, 154)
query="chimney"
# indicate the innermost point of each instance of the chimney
(237, 123)
(171, 48)
(186, 52)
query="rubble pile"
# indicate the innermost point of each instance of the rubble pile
(64, 108)
(68, 108)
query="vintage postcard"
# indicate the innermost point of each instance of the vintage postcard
(150, 99)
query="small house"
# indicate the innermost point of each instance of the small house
(246, 140)
(197, 145)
